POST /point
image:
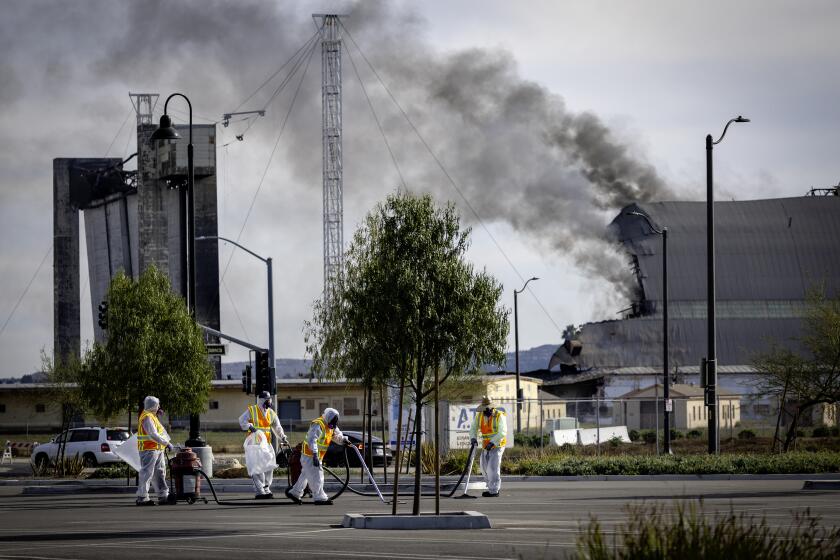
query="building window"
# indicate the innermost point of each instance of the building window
(2, 408)
(351, 406)
(309, 404)
(40, 408)
(214, 405)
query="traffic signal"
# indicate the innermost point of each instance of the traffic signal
(103, 315)
(265, 373)
(246, 379)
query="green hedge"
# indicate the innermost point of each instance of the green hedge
(789, 463)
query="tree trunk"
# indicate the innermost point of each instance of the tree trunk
(418, 428)
(385, 442)
(791, 433)
(397, 452)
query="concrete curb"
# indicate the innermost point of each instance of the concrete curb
(821, 485)
(244, 486)
(425, 521)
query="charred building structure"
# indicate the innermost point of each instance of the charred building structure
(769, 255)
(132, 220)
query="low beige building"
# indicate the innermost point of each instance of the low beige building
(641, 408)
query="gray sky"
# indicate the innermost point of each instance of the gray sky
(548, 115)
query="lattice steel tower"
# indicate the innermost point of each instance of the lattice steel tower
(331, 142)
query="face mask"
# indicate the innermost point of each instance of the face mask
(159, 412)
(267, 404)
(333, 423)
(488, 412)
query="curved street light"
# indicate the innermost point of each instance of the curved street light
(710, 363)
(516, 339)
(166, 131)
(666, 393)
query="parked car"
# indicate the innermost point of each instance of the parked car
(93, 445)
(335, 453)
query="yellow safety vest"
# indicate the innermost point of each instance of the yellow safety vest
(260, 421)
(489, 427)
(323, 441)
(144, 440)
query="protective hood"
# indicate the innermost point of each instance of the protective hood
(150, 403)
(263, 397)
(330, 416)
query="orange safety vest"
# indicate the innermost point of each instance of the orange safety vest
(144, 440)
(489, 427)
(323, 441)
(260, 421)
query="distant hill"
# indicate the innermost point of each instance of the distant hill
(285, 368)
(529, 360)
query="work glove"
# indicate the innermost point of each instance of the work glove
(489, 446)
(251, 428)
(284, 440)
(473, 441)
(169, 447)
(316, 462)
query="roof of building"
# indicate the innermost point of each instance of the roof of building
(638, 342)
(769, 254)
(677, 390)
(775, 249)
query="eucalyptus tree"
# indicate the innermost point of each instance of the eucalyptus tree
(409, 305)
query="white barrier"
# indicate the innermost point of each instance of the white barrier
(589, 436)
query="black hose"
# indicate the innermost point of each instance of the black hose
(375, 495)
(252, 503)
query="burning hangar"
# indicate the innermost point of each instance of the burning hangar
(769, 255)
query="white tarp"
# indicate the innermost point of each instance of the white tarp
(127, 451)
(559, 437)
(590, 436)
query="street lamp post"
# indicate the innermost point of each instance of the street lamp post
(666, 385)
(516, 340)
(711, 360)
(167, 132)
(267, 261)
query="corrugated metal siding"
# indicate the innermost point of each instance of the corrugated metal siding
(765, 249)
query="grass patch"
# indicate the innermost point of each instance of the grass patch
(572, 465)
(688, 534)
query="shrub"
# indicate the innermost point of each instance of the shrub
(649, 436)
(694, 434)
(634, 435)
(835, 431)
(654, 532)
(615, 441)
(746, 434)
(821, 431)
(70, 466)
(114, 470)
(676, 434)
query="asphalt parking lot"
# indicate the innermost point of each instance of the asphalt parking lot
(530, 520)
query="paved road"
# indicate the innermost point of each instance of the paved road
(530, 520)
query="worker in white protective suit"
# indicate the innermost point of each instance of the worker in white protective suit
(152, 440)
(261, 417)
(322, 431)
(489, 429)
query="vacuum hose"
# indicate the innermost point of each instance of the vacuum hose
(252, 503)
(450, 494)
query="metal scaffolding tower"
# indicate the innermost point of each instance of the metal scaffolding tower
(331, 141)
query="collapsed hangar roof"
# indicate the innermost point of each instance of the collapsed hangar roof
(769, 254)
(774, 249)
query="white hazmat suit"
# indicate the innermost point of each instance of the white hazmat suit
(152, 461)
(311, 471)
(262, 481)
(493, 447)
